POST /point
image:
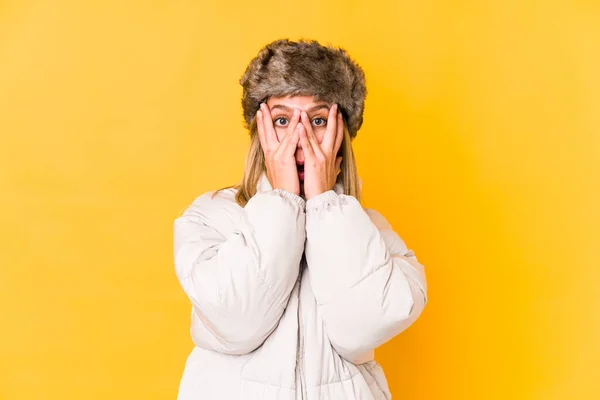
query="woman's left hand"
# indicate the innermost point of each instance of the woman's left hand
(321, 163)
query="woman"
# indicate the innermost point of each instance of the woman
(293, 284)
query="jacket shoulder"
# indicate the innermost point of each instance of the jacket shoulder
(213, 208)
(216, 199)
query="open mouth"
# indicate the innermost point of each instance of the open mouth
(300, 167)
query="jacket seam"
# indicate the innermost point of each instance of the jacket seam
(369, 369)
(334, 382)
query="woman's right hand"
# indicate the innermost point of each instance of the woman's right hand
(280, 156)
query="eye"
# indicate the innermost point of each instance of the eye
(280, 121)
(319, 122)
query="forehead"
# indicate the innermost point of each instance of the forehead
(300, 102)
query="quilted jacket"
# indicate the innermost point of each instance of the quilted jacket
(291, 297)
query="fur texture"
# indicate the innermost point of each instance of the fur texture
(305, 68)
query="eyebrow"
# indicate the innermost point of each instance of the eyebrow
(288, 109)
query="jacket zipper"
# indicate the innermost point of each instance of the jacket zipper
(300, 334)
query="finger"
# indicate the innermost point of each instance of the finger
(270, 134)
(330, 133)
(294, 121)
(289, 132)
(312, 139)
(261, 131)
(291, 142)
(339, 138)
(307, 149)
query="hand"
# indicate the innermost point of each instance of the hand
(321, 163)
(280, 158)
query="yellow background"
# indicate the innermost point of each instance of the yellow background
(481, 145)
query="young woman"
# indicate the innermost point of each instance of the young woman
(293, 284)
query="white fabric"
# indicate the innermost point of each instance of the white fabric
(290, 297)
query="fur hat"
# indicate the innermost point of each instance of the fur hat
(305, 68)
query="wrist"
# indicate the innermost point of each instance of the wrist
(318, 190)
(309, 194)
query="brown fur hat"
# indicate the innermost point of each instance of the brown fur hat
(305, 68)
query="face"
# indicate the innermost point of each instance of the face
(281, 111)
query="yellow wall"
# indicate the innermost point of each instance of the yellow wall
(481, 144)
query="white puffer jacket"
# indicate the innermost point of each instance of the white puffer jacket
(290, 298)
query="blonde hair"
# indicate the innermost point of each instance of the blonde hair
(255, 167)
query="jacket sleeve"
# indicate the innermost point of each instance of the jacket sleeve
(239, 283)
(369, 287)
